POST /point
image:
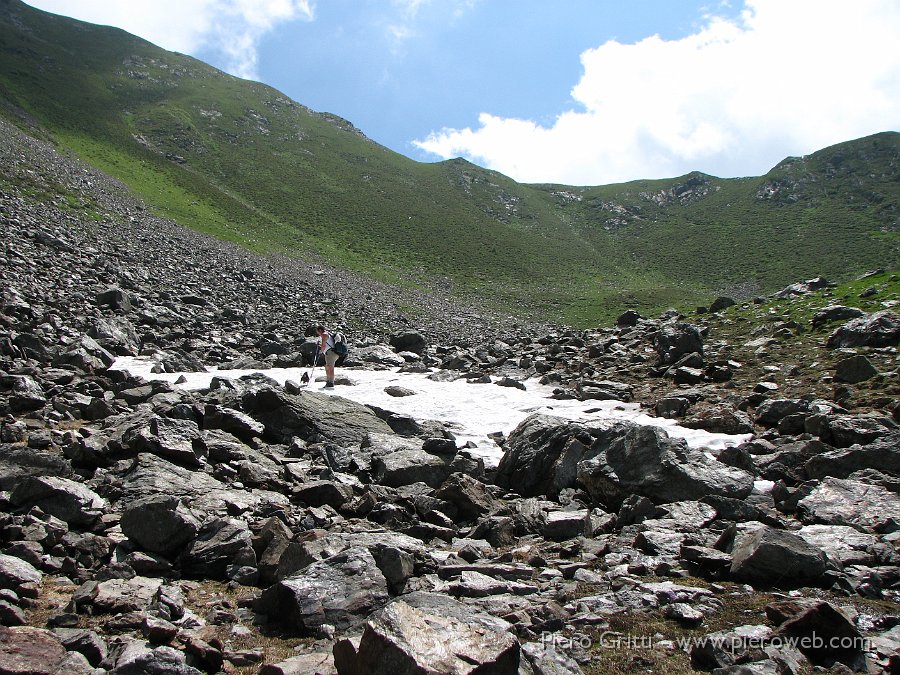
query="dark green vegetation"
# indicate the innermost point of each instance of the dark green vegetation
(240, 160)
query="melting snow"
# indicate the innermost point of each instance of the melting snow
(473, 411)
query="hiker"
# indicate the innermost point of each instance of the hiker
(326, 347)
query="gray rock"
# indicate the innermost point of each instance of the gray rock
(672, 341)
(854, 369)
(25, 393)
(842, 543)
(67, 500)
(304, 664)
(17, 462)
(770, 413)
(177, 440)
(538, 449)
(836, 501)
(341, 591)
(86, 355)
(405, 467)
(774, 557)
(470, 497)
(223, 549)
(684, 614)
(115, 596)
(722, 419)
(409, 341)
(722, 648)
(403, 639)
(720, 303)
(149, 475)
(135, 657)
(511, 382)
(880, 329)
(647, 462)
(159, 524)
(322, 492)
(14, 572)
(825, 636)
(398, 392)
(842, 431)
(835, 313)
(474, 584)
(116, 334)
(25, 650)
(312, 417)
(544, 659)
(564, 525)
(114, 298)
(882, 454)
(672, 406)
(238, 424)
(605, 390)
(86, 642)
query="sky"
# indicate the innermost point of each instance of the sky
(578, 92)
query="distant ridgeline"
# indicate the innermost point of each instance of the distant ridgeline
(242, 161)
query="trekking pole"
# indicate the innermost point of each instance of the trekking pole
(315, 361)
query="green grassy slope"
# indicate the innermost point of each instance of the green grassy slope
(240, 160)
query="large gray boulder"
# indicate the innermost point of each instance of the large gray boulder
(411, 465)
(854, 369)
(159, 524)
(18, 462)
(86, 355)
(773, 557)
(25, 650)
(25, 393)
(837, 501)
(72, 502)
(379, 355)
(312, 417)
(150, 475)
(770, 413)
(116, 334)
(340, 591)
(674, 340)
(536, 450)
(175, 439)
(128, 656)
(645, 461)
(882, 454)
(420, 634)
(835, 313)
(14, 572)
(123, 595)
(842, 543)
(409, 341)
(223, 549)
(879, 329)
(469, 497)
(842, 431)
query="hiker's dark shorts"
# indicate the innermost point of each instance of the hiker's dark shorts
(331, 357)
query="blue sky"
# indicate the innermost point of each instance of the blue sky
(583, 92)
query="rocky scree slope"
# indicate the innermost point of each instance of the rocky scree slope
(251, 527)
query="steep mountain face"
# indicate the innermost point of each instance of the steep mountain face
(242, 161)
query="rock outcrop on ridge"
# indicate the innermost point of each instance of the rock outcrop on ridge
(254, 527)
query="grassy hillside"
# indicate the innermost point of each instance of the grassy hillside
(240, 160)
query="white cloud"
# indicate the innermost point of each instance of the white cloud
(230, 27)
(787, 77)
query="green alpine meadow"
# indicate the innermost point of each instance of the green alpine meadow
(240, 160)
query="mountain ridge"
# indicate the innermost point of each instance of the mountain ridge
(242, 161)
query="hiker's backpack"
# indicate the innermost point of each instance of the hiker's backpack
(340, 344)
